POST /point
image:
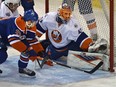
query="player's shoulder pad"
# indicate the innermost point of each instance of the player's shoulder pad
(48, 17)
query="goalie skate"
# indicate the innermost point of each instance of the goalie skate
(0, 71)
(24, 72)
(100, 46)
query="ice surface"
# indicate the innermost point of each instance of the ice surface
(48, 76)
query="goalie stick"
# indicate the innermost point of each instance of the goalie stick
(90, 72)
(61, 64)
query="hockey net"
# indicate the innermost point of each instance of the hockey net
(101, 9)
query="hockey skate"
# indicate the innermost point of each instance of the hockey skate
(26, 72)
(100, 46)
(0, 71)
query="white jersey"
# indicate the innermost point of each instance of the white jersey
(6, 12)
(62, 35)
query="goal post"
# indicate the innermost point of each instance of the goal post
(104, 14)
(112, 47)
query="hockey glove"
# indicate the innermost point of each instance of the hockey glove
(47, 61)
(100, 46)
(31, 54)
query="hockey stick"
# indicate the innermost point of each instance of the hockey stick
(43, 61)
(95, 68)
(46, 58)
(39, 63)
(38, 59)
(54, 62)
(90, 72)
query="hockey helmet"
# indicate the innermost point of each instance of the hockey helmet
(30, 17)
(65, 12)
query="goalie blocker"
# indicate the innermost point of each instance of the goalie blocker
(85, 60)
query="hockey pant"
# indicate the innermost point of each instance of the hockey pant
(56, 53)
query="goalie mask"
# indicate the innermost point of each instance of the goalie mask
(12, 4)
(64, 14)
(31, 18)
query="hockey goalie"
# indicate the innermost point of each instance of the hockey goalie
(65, 33)
(87, 57)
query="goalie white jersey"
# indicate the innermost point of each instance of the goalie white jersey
(62, 35)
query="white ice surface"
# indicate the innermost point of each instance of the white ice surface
(56, 76)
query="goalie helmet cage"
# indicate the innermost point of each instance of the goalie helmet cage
(52, 5)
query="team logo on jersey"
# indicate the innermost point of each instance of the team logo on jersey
(22, 37)
(56, 36)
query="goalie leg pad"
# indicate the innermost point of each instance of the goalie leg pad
(85, 60)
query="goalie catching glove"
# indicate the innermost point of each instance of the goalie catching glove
(100, 46)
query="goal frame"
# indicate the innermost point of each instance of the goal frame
(111, 23)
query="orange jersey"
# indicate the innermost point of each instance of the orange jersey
(16, 31)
